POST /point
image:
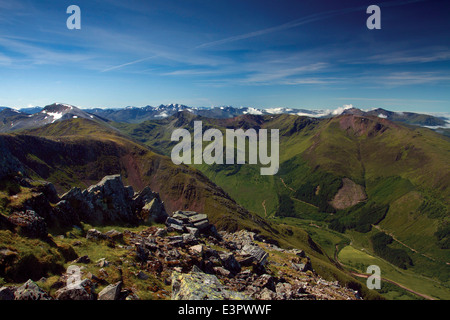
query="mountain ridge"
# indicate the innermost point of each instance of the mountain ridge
(140, 114)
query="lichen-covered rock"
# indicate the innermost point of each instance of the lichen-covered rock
(201, 286)
(154, 211)
(256, 252)
(78, 290)
(267, 294)
(149, 206)
(94, 234)
(31, 291)
(114, 235)
(111, 292)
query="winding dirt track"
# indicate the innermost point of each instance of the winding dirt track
(286, 186)
(403, 244)
(264, 206)
(362, 275)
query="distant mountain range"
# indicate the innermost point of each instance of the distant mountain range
(32, 117)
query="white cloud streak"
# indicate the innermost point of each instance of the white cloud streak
(301, 21)
(128, 64)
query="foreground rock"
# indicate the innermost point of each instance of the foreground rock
(110, 201)
(82, 290)
(192, 223)
(198, 267)
(111, 292)
(31, 291)
(73, 286)
(201, 286)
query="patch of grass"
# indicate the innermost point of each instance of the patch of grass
(30, 258)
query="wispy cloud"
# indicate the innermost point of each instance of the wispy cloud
(4, 60)
(128, 64)
(301, 21)
(196, 72)
(273, 74)
(406, 57)
(285, 26)
(38, 54)
(412, 78)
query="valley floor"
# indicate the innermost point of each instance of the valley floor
(355, 255)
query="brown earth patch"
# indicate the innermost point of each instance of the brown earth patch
(349, 195)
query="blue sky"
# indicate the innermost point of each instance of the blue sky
(312, 54)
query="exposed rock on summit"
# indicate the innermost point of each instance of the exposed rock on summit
(109, 201)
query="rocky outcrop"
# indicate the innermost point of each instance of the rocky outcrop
(9, 165)
(201, 286)
(106, 202)
(191, 222)
(229, 266)
(109, 201)
(31, 291)
(149, 206)
(74, 287)
(29, 223)
(111, 292)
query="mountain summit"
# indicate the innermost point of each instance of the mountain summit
(15, 120)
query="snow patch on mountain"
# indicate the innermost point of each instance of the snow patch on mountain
(162, 115)
(55, 115)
